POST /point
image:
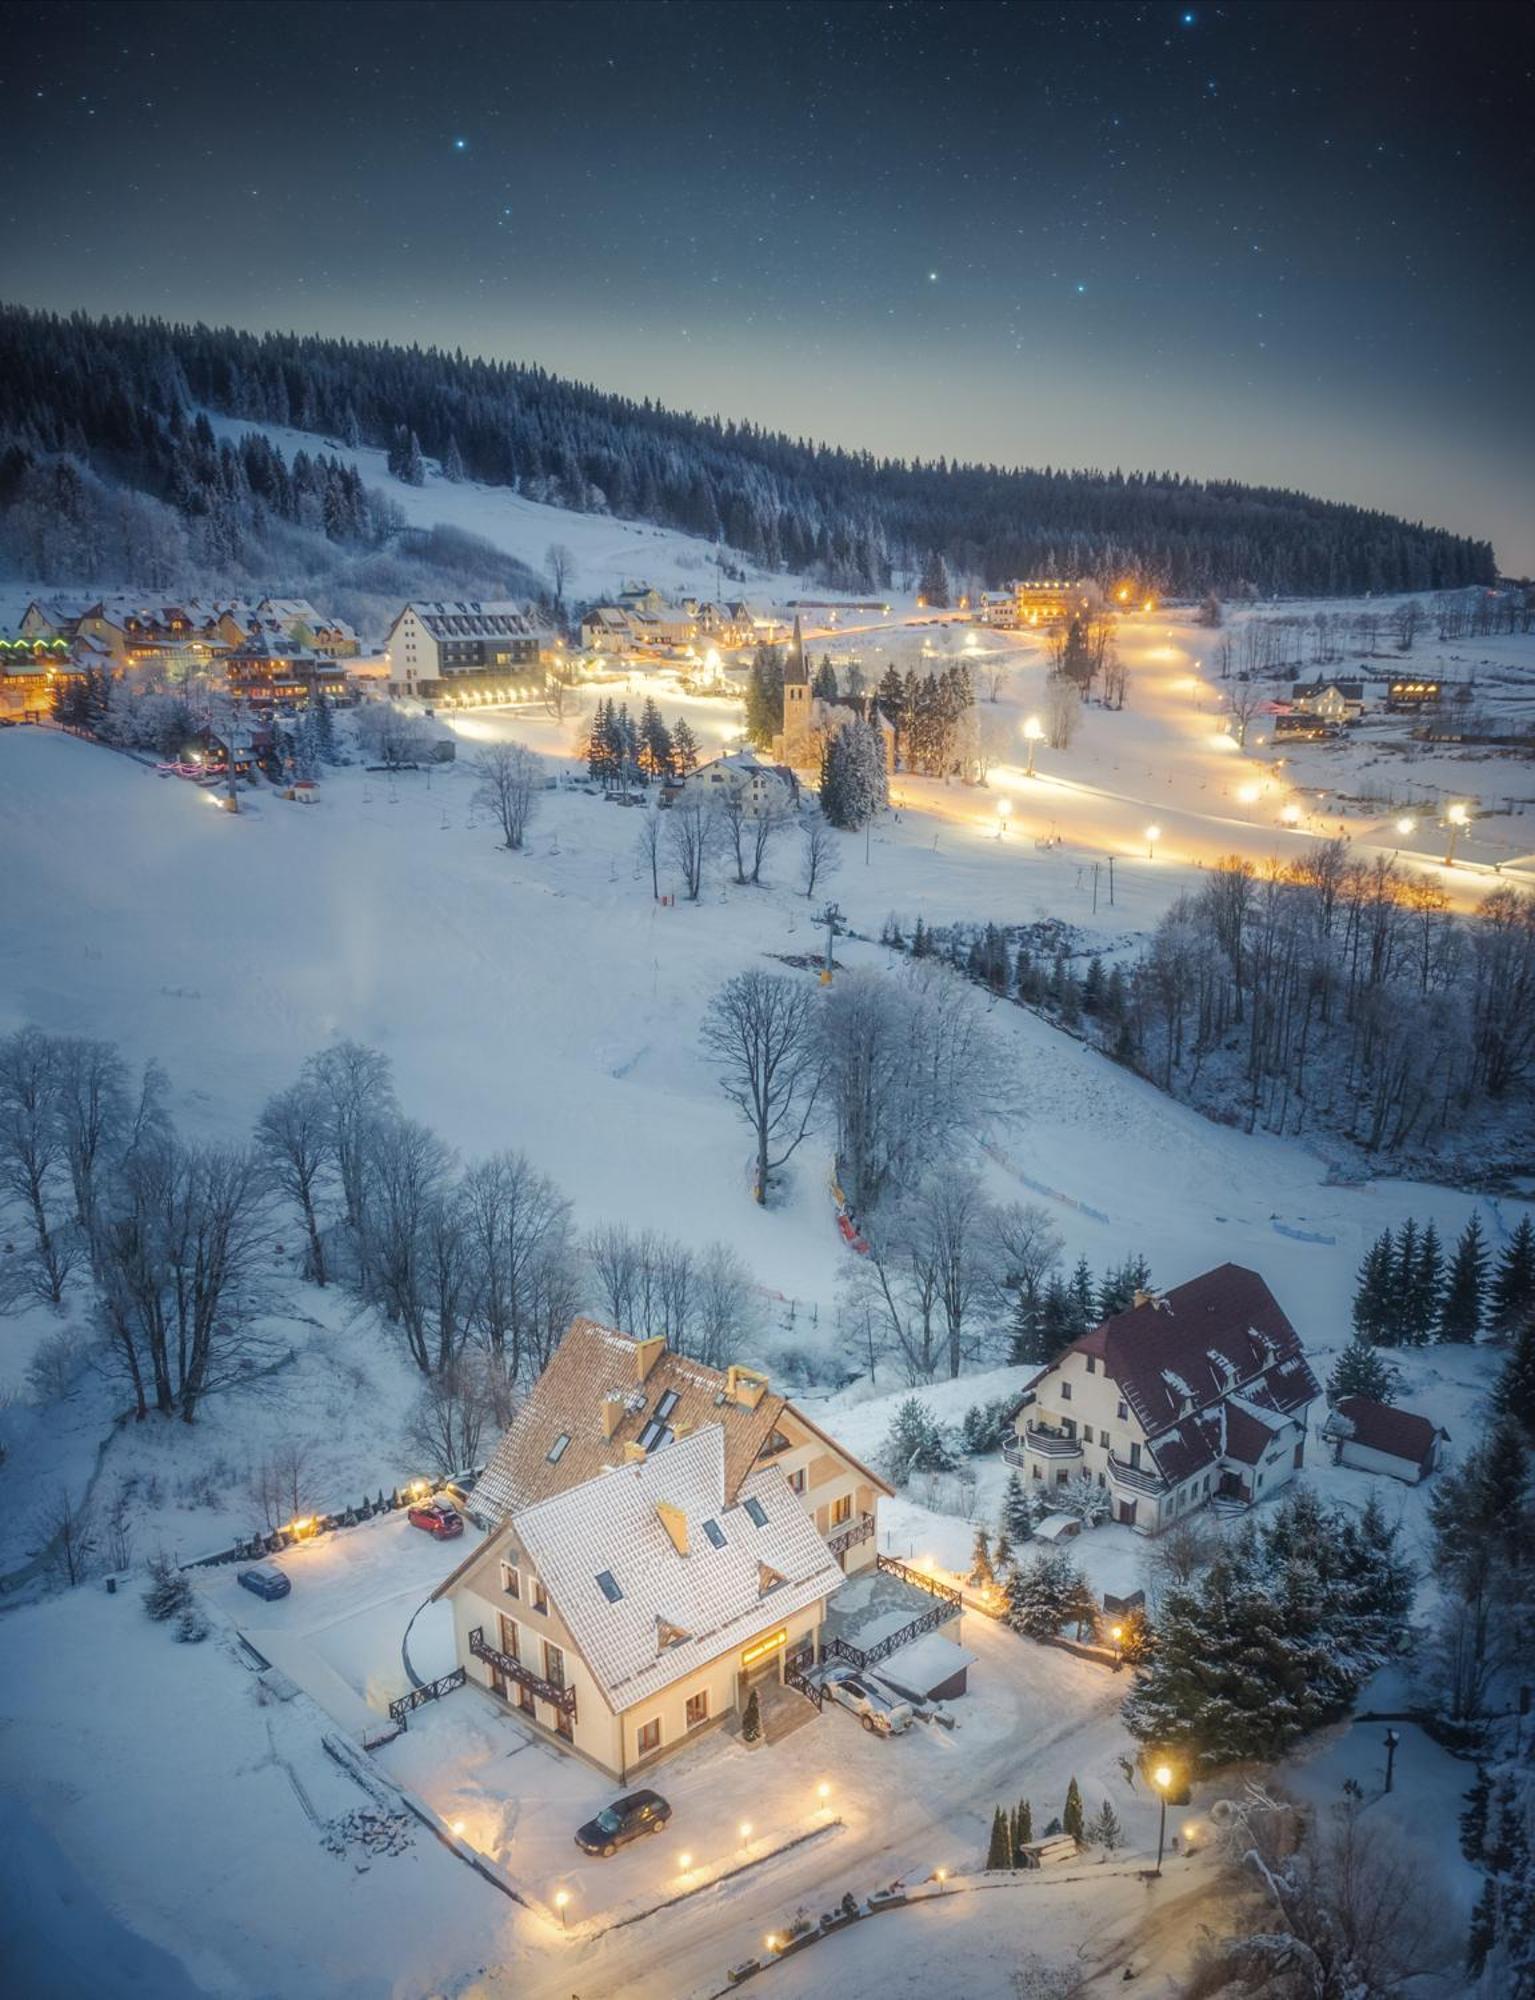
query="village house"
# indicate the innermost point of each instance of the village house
(1378, 1437)
(261, 671)
(433, 644)
(742, 775)
(664, 1539)
(1332, 701)
(1194, 1396)
(1408, 691)
(1033, 601)
(32, 670)
(294, 620)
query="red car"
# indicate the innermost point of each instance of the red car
(439, 1517)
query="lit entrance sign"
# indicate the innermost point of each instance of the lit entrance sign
(760, 1648)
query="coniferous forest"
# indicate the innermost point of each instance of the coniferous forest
(118, 399)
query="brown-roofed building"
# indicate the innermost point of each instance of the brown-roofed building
(1198, 1395)
(664, 1538)
(1378, 1437)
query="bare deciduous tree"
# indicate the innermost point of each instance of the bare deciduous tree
(294, 1134)
(760, 1030)
(452, 1415)
(647, 845)
(560, 561)
(357, 1088)
(1063, 707)
(691, 831)
(820, 853)
(33, 1158)
(510, 779)
(518, 1228)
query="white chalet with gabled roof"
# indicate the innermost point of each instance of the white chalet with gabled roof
(1196, 1396)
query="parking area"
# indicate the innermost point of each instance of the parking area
(338, 1634)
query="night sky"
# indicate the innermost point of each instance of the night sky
(1285, 243)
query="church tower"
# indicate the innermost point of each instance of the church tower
(797, 744)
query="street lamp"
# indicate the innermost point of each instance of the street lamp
(1117, 1634)
(1457, 819)
(561, 1898)
(1004, 807)
(1162, 1778)
(1406, 825)
(1290, 813)
(1393, 1737)
(940, 1876)
(684, 1863)
(1033, 732)
(1153, 835)
(745, 1831)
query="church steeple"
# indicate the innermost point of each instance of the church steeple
(794, 666)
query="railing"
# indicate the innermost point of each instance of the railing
(933, 1585)
(807, 1688)
(859, 1529)
(1123, 1473)
(557, 1697)
(1050, 1442)
(860, 1656)
(431, 1691)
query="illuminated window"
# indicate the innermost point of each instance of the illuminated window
(841, 1509)
(649, 1736)
(698, 1708)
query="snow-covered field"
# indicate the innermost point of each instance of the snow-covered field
(544, 1001)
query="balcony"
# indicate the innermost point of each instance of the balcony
(850, 1534)
(1135, 1478)
(557, 1697)
(1041, 1441)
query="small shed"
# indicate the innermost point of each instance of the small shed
(1378, 1437)
(1058, 1528)
(931, 1668)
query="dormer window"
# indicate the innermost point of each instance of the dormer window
(768, 1579)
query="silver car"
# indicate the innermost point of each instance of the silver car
(880, 1711)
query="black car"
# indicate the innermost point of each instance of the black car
(266, 1580)
(625, 1820)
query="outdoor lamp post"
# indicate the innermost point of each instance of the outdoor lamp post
(1004, 807)
(1153, 835)
(1033, 731)
(1162, 1778)
(561, 1898)
(1393, 1737)
(1456, 820)
(1117, 1634)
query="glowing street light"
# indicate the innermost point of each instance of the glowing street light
(1457, 819)
(1033, 731)
(561, 1898)
(1004, 807)
(684, 1863)
(1162, 1778)
(1290, 813)
(1249, 794)
(745, 1831)
(1117, 1634)
(1153, 835)
(940, 1876)
(1406, 824)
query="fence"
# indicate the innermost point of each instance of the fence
(312, 1526)
(429, 1691)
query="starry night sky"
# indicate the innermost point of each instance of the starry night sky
(1289, 243)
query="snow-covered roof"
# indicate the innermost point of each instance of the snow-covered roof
(469, 618)
(611, 1526)
(925, 1664)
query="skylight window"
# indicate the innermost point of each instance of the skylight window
(607, 1583)
(654, 1435)
(756, 1513)
(557, 1450)
(715, 1533)
(667, 1403)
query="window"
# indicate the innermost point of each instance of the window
(557, 1450)
(607, 1583)
(1122, 1413)
(511, 1583)
(1103, 1439)
(509, 1644)
(797, 1481)
(540, 1598)
(841, 1509)
(554, 1664)
(1062, 1475)
(1035, 1471)
(1065, 1392)
(649, 1737)
(1092, 1363)
(667, 1403)
(756, 1513)
(698, 1709)
(715, 1534)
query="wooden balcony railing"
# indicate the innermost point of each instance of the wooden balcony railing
(557, 1697)
(1037, 1442)
(1137, 1478)
(850, 1534)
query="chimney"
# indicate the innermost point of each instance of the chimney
(634, 1454)
(675, 1522)
(1145, 1298)
(646, 1354)
(745, 1386)
(612, 1414)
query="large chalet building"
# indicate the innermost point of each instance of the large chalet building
(436, 643)
(1196, 1396)
(663, 1538)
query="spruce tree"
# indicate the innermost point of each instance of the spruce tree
(684, 748)
(1514, 1393)
(1104, 1829)
(999, 1852)
(1071, 1816)
(1373, 1293)
(824, 686)
(1483, 1934)
(1362, 1370)
(1084, 1296)
(751, 1720)
(1023, 1831)
(1473, 1818)
(1017, 1511)
(1424, 1286)
(1002, 1558)
(1460, 1308)
(1512, 1300)
(981, 1576)
(1403, 1280)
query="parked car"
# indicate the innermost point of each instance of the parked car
(877, 1707)
(439, 1517)
(625, 1820)
(266, 1580)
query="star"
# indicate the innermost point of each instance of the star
(932, 277)
(460, 145)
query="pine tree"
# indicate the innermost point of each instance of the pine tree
(453, 463)
(413, 466)
(1084, 1297)
(824, 685)
(1027, 1344)
(764, 696)
(1003, 1560)
(1423, 1285)
(1512, 1300)
(1104, 1829)
(999, 1851)
(1117, 1292)
(169, 1593)
(1460, 1309)
(1137, 1637)
(1403, 1279)
(1514, 1393)
(1071, 1815)
(1473, 1818)
(934, 584)
(1362, 1370)
(1017, 1511)
(751, 1720)
(1372, 1294)
(1483, 1934)
(684, 748)
(981, 1576)
(1023, 1831)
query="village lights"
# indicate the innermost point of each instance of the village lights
(771, 1941)
(1290, 813)
(745, 1831)
(1117, 1634)
(1004, 807)
(940, 1876)
(1249, 794)
(1406, 824)
(561, 1898)
(1457, 819)
(1153, 835)
(1033, 730)
(1162, 1778)
(823, 1793)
